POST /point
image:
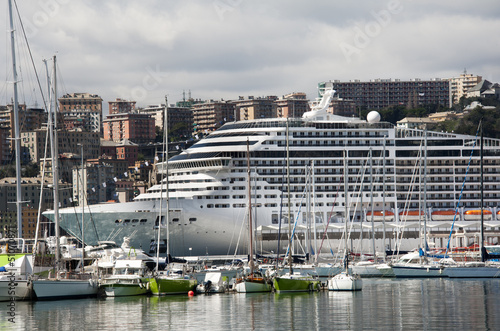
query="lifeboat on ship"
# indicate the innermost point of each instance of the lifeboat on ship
(475, 215)
(411, 215)
(378, 215)
(445, 215)
(498, 215)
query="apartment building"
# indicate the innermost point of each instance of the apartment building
(138, 128)
(382, 93)
(254, 108)
(121, 106)
(461, 84)
(208, 116)
(292, 105)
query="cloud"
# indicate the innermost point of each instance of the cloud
(226, 48)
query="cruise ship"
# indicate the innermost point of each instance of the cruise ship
(397, 179)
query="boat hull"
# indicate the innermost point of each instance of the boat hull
(473, 272)
(345, 282)
(15, 290)
(373, 270)
(249, 286)
(125, 287)
(49, 289)
(418, 271)
(168, 286)
(285, 284)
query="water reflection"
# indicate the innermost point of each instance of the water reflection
(422, 304)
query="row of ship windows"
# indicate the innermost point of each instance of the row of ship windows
(143, 220)
(367, 142)
(341, 133)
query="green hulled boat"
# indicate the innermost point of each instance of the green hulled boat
(296, 283)
(165, 284)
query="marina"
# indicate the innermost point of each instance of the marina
(383, 304)
(270, 221)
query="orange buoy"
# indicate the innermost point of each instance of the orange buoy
(190, 294)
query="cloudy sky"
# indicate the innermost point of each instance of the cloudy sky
(144, 50)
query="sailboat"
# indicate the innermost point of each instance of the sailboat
(255, 280)
(345, 281)
(64, 285)
(479, 269)
(374, 268)
(293, 281)
(16, 265)
(417, 264)
(15, 270)
(169, 281)
(129, 278)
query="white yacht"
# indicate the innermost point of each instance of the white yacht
(208, 185)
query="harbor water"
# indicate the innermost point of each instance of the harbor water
(383, 304)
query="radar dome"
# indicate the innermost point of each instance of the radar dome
(373, 117)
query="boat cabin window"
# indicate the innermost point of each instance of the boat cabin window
(192, 219)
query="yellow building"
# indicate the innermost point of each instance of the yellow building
(461, 84)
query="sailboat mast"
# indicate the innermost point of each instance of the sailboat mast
(308, 211)
(346, 219)
(483, 257)
(54, 157)
(167, 212)
(316, 253)
(83, 196)
(17, 141)
(372, 211)
(164, 167)
(289, 207)
(250, 228)
(383, 201)
(425, 194)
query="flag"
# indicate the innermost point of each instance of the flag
(70, 200)
(136, 169)
(146, 163)
(115, 179)
(125, 174)
(103, 184)
(93, 189)
(157, 158)
(177, 146)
